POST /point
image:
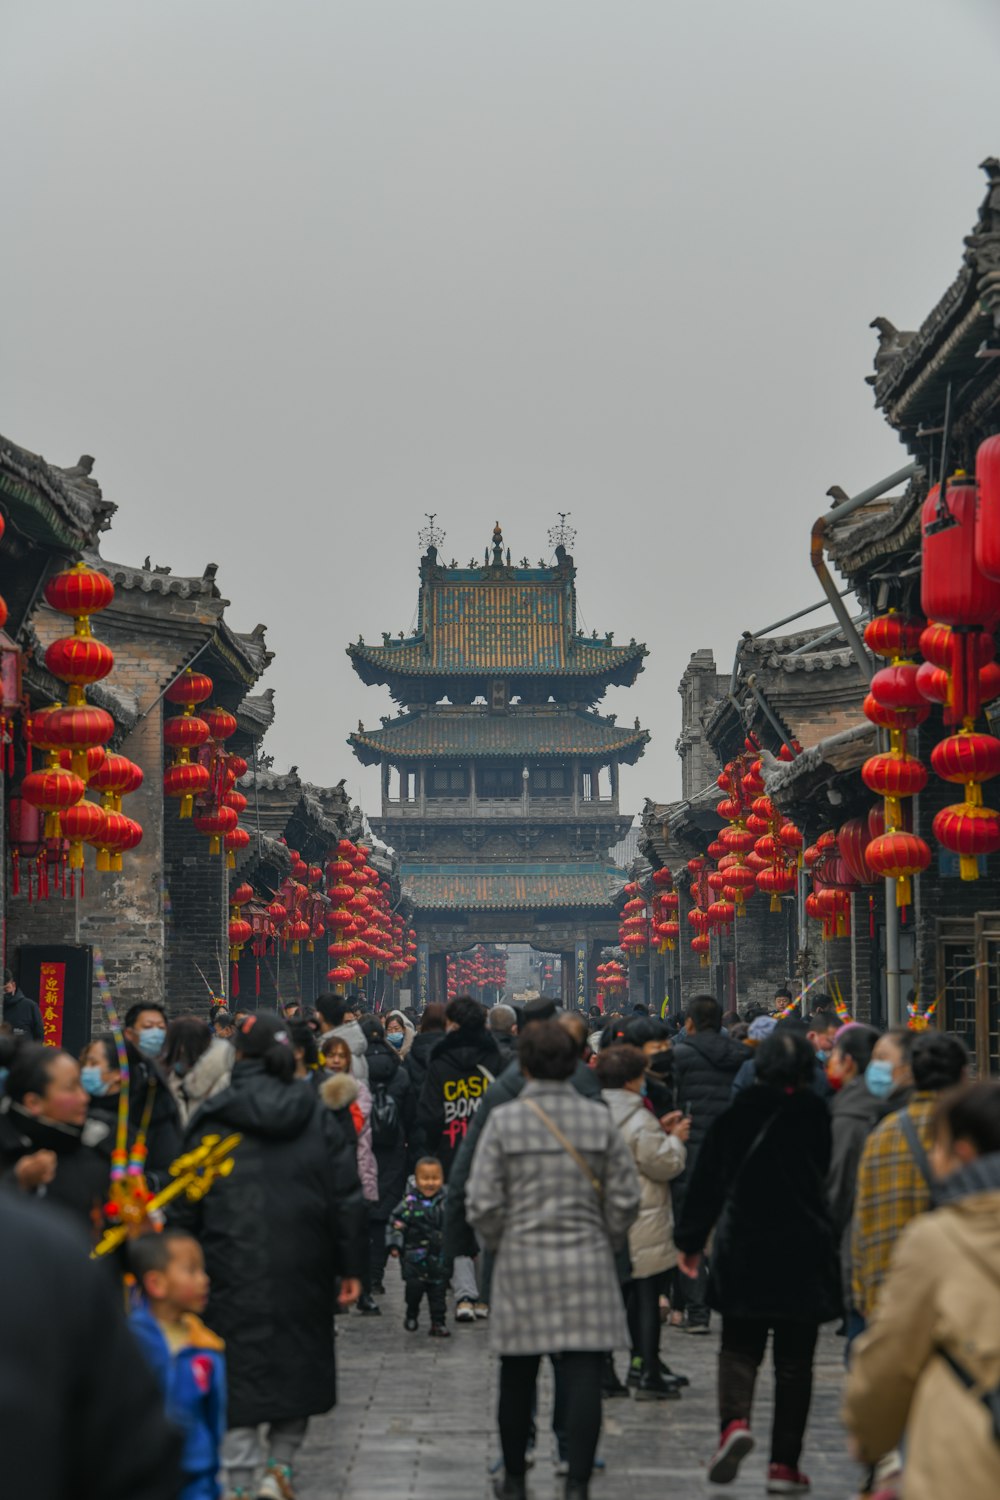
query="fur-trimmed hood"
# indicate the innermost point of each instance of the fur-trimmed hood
(339, 1091)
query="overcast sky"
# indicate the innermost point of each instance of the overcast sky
(296, 273)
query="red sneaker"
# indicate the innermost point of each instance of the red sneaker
(735, 1444)
(782, 1479)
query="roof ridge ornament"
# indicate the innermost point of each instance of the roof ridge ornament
(562, 534)
(431, 535)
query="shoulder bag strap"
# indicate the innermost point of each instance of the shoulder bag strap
(567, 1146)
(916, 1148)
(990, 1399)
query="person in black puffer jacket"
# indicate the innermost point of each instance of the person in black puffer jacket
(277, 1233)
(705, 1064)
(463, 1065)
(393, 1112)
(48, 1146)
(760, 1182)
(432, 1029)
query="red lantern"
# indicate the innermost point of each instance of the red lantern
(898, 856)
(114, 837)
(96, 757)
(893, 776)
(702, 945)
(185, 732)
(242, 894)
(776, 881)
(79, 660)
(189, 689)
(853, 838)
(236, 838)
(186, 782)
(79, 591)
(221, 724)
(79, 729)
(988, 510)
(953, 588)
(896, 687)
(235, 800)
(893, 635)
(83, 823)
(216, 823)
(116, 778)
(967, 829)
(52, 792)
(895, 718)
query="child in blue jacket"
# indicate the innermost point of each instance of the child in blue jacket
(187, 1357)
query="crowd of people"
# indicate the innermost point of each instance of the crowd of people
(575, 1182)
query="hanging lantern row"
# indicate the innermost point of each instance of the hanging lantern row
(73, 737)
(895, 703)
(480, 969)
(633, 930)
(666, 904)
(366, 933)
(612, 979)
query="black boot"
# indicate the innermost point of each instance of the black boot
(577, 1489)
(367, 1304)
(655, 1388)
(510, 1487)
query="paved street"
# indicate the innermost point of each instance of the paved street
(416, 1420)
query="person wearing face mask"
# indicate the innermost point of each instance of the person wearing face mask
(399, 1033)
(47, 1143)
(145, 1034)
(854, 1113)
(929, 1364)
(658, 1149)
(889, 1075)
(392, 1114)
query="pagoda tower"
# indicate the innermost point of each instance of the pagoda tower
(499, 779)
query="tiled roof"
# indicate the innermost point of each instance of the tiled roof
(465, 732)
(508, 887)
(51, 503)
(496, 642)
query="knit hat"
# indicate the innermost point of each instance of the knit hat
(761, 1027)
(259, 1033)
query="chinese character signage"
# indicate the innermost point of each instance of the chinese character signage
(60, 977)
(581, 976)
(52, 999)
(423, 974)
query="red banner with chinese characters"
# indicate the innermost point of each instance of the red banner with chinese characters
(51, 998)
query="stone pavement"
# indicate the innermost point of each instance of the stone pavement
(416, 1422)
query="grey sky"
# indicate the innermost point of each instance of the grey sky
(297, 273)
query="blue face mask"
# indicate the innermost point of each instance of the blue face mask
(878, 1079)
(644, 1091)
(90, 1077)
(150, 1042)
(395, 1038)
(823, 1057)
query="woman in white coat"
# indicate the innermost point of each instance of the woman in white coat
(658, 1150)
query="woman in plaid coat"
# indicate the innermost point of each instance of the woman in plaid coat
(552, 1192)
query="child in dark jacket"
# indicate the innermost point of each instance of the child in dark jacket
(186, 1357)
(415, 1234)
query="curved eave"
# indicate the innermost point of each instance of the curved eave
(372, 749)
(376, 667)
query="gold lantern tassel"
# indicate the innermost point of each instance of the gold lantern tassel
(76, 855)
(187, 805)
(214, 846)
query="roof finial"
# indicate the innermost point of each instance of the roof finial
(497, 546)
(431, 535)
(562, 534)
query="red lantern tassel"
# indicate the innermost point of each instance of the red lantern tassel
(15, 877)
(257, 980)
(234, 981)
(871, 918)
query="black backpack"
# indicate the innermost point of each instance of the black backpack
(386, 1127)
